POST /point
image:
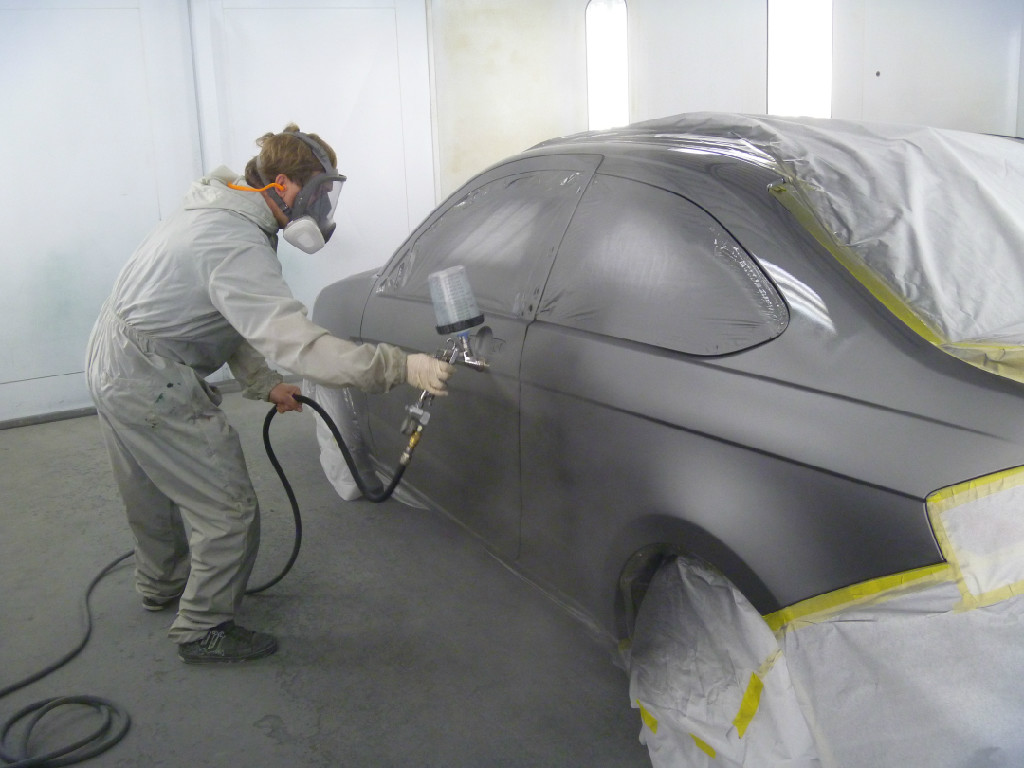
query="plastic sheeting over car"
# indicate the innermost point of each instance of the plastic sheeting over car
(709, 678)
(632, 247)
(930, 220)
(339, 404)
(919, 668)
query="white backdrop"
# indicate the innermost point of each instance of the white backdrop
(91, 159)
(353, 72)
(692, 55)
(944, 63)
(112, 107)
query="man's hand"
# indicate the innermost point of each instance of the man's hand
(283, 397)
(429, 373)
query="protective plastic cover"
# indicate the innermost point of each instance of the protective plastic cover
(931, 220)
(632, 247)
(916, 669)
(708, 676)
(340, 405)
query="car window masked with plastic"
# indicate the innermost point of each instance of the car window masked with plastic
(311, 216)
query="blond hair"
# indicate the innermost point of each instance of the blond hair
(287, 154)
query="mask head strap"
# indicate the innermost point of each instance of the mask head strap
(272, 186)
(318, 151)
(272, 189)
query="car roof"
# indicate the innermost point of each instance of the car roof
(931, 220)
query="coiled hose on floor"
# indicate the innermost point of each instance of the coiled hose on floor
(114, 721)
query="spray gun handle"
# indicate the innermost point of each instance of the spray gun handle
(417, 415)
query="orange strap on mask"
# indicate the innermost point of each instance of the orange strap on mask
(274, 184)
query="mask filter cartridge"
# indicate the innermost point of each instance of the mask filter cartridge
(455, 307)
(304, 234)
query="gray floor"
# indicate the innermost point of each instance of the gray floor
(403, 642)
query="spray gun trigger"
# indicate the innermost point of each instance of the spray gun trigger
(458, 350)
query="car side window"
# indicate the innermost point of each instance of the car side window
(644, 264)
(501, 232)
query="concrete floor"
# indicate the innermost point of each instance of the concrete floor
(402, 641)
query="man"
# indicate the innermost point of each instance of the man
(205, 288)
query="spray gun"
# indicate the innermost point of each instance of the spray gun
(456, 311)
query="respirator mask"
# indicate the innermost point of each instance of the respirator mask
(311, 217)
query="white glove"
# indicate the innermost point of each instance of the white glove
(429, 373)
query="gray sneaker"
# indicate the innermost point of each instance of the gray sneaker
(227, 642)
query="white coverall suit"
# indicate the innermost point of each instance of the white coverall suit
(205, 288)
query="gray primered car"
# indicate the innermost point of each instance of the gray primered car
(680, 363)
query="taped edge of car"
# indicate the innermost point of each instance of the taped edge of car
(822, 606)
(1002, 359)
(978, 527)
(908, 209)
(910, 667)
(804, 214)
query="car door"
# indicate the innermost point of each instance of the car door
(504, 227)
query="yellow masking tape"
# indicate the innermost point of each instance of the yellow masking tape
(987, 590)
(649, 720)
(999, 359)
(977, 488)
(879, 289)
(704, 746)
(752, 696)
(822, 606)
(652, 724)
(748, 706)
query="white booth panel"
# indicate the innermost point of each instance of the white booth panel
(83, 145)
(353, 73)
(507, 75)
(944, 63)
(692, 55)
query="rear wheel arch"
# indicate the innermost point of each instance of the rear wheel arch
(651, 541)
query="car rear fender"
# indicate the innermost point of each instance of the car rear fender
(339, 306)
(646, 542)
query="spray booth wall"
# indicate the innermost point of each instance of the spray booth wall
(112, 107)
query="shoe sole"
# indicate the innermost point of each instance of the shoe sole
(213, 659)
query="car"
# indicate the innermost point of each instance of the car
(748, 342)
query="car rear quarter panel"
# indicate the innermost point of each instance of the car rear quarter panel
(613, 435)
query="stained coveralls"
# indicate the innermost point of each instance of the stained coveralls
(205, 288)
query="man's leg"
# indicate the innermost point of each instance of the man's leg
(161, 544)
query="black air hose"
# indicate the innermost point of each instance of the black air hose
(371, 495)
(114, 721)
